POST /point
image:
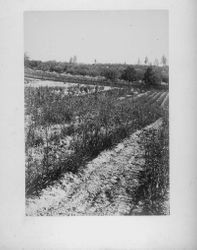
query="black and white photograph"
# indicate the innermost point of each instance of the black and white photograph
(98, 124)
(96, 89)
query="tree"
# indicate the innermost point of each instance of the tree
(163, 60)
(59, 68)
(110, 74)
(44, 67)
(165, 77)
(139, 74)
(74, 59)
(146, 60)
(129, 74)
(34, 64)
(51, 65)
(156, 62)
(26, 59)
(152, 77)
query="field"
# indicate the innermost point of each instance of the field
(68, 126)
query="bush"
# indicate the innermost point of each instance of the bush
(165, 78)
(110, 74)
(129, 74)
(152, 76)
(139, 74)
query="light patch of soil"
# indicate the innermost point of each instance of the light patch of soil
(66, 85)
(104, 187)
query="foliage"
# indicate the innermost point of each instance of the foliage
(156, 62)
(163, 60)
(165, 78)
(140, 74)
(26, 60)
(95, 124)
(165, 74)
(154, 177)
(129, 74)
(146, 60)
(110, 74)
(110, 71)
(152, 76)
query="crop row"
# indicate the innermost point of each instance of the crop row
(153, 188)
(96, 122)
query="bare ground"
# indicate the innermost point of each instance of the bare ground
(104, 187)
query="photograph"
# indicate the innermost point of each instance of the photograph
(96, 112)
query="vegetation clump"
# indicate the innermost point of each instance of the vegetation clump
(152, 77)
(129, 74)
(153, 189)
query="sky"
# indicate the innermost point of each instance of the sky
(107, 36)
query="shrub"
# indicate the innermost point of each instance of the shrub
(152, 76)
(165, 77)
(139, 74)
(110, 74)
(129, 74)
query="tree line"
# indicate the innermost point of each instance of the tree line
(148, 73)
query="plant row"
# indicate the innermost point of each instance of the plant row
(102, 123)
(153, 189)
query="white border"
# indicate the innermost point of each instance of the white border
(175, 231)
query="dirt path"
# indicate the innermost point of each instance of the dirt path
(105, 187)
